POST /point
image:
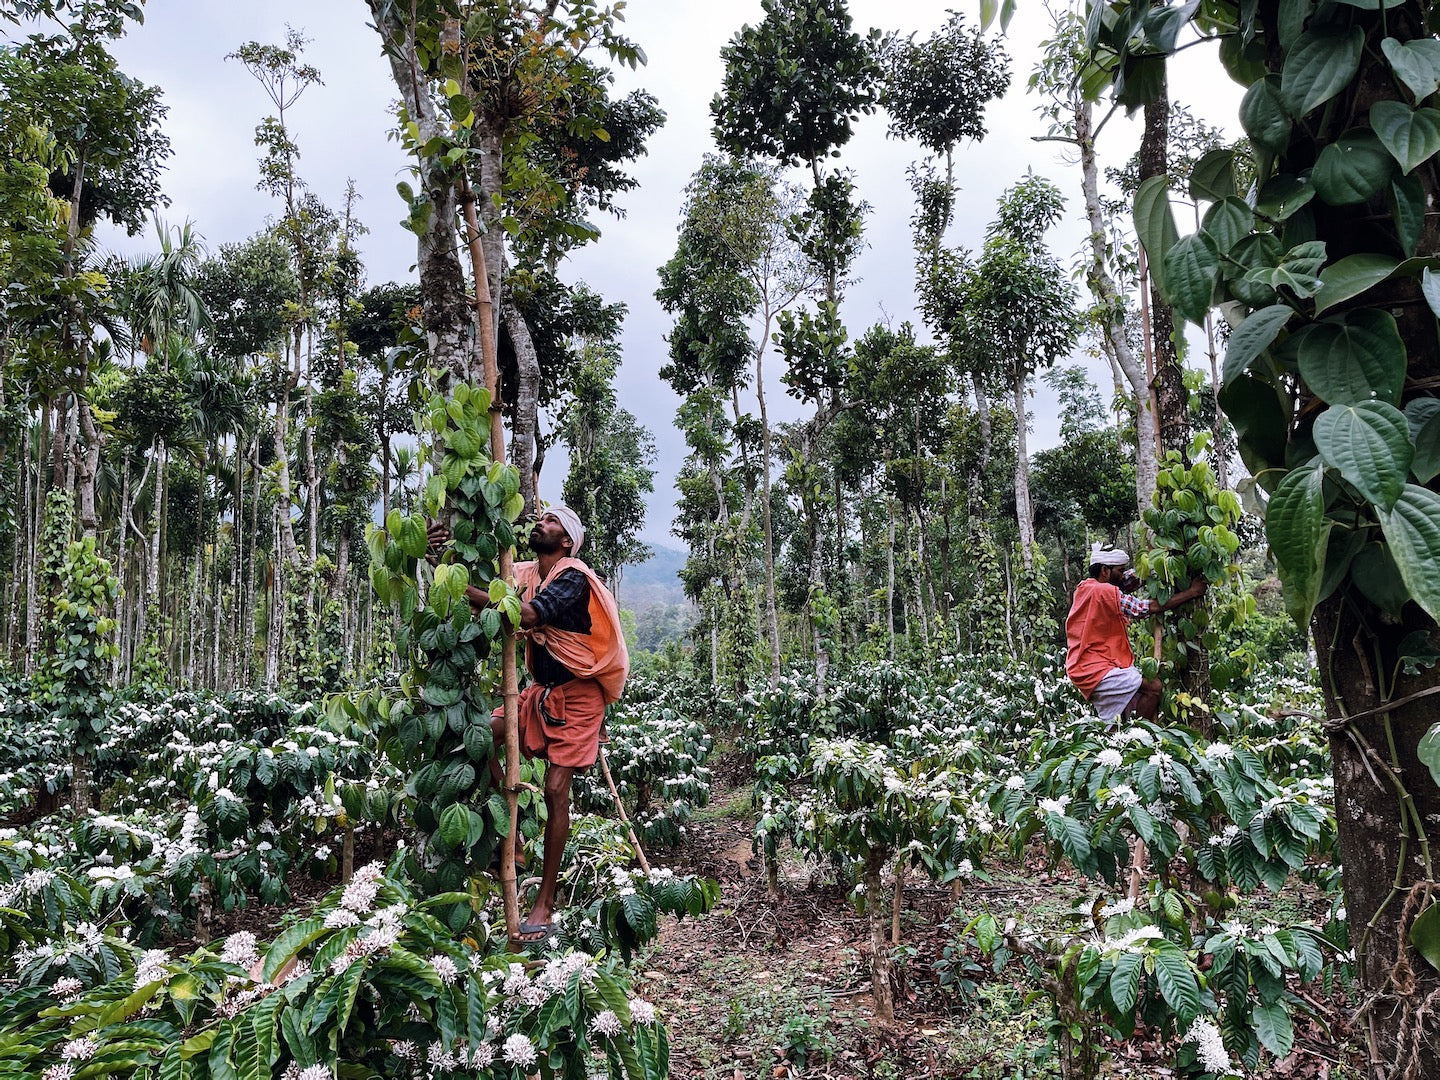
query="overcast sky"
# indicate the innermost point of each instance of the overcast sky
(343, 126)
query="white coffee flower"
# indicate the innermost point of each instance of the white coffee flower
(520, 1051)
(606, 1023)
(1210, 1047)
(240, 949)
(642, 1012)
(79, 1049)
(445, 968)
(151, 967)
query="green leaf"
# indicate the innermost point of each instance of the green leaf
(1412, 528)
(1125, 981)
(1407, 202)
(1296, 529)
(1370, 444)
(1264, 116)
(1352, 168)
(1429, 754)
(1229, 222)
(1426, 464)
(1191, 266)
(290, 942)
(1258, 413)
(1415, 63)
(1354, 357)
(1252, 337)
(1411, 135)
(1273, 1028)
(1213, 176)
(1283, 195)
(1378, 578)
(1351, 276)
(412, 538)
(1177, 982)
(1319, 65)
(1430, 286)
(1155, 225)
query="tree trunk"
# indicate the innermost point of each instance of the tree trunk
(286, 547)
(444, 298)
(527, 401)
(772, 615)
(247, 619)
(1172, 400)
(890, 577)
(1112, 324)
(1024, 515)
(879, 946)
(1385, 800)
(88, 463)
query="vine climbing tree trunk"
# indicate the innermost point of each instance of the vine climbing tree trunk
(509, 680)
(1171, 397)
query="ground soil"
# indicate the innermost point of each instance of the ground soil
(773, 986)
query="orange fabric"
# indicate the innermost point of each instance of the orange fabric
(574, 742)
(1096, 642)
(601, 654)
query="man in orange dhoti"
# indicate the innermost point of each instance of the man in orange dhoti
(578, 663)
(1098, 658)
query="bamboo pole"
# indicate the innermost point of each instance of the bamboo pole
(509, 681)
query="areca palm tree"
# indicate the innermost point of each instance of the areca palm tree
(160, 294)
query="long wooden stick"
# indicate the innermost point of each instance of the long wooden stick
(620, 809)
(509, 681)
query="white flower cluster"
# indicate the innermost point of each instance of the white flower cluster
(309, 1072)
(1054, 806)
(383, 930)
(151, 968)
(1131, 941)
(240, 949)
(1210, 1047)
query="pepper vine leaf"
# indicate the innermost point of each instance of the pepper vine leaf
(1411, 135)
(1252, 337)
(1412, 528)
(1415, 63)
(1352, 168)
(1355, 357)
(1370, 444)
(1296, 528)
(1319, 65)
(1264, 117)
(1351, 276)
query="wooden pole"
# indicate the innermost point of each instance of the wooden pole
(509, 681)
(620, 809)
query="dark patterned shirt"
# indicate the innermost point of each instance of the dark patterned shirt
(563, 603)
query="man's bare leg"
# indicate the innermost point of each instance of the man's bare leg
(1146, 702)
(557, 833)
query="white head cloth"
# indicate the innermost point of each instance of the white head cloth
(573, 527)
(1100, 555)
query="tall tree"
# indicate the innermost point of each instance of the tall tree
(1071, 82)
(611, 455)
(1023, 304)
(738, 221)
(795, 84)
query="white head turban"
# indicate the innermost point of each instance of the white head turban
(571, 522)
(1101, 555)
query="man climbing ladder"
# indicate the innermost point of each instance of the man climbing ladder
(575, 652)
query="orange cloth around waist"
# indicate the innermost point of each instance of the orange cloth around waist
(1095, 638)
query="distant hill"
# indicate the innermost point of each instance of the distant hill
(653, 583)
